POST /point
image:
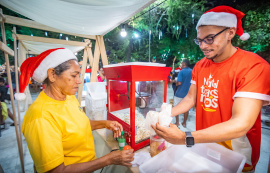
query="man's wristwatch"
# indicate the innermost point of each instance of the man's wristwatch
(189, 139)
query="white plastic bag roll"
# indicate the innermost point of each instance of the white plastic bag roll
(151, 118)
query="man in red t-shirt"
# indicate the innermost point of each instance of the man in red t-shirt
(229, 86)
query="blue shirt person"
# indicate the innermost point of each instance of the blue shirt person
(183, 83)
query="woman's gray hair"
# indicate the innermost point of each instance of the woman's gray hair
(60, 69)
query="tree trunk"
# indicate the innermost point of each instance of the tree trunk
(129, 49)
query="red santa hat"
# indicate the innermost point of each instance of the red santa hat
(177, 69)
(224, 16)
(37, 67)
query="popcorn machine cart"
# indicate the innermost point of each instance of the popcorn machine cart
(133, 89)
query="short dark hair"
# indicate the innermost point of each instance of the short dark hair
(186, 61)
(2, 80)
(60, 69)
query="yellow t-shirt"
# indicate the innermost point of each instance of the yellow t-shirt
(57, 132)
(4, 110)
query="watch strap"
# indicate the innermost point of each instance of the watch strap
(188, 134)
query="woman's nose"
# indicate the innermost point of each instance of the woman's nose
(79, 81)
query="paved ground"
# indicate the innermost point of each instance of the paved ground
(9, 157)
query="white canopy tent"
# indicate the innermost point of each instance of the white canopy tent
(39, 47)
(86, 17)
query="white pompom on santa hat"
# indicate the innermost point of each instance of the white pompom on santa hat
(224, 16)
(37, 67)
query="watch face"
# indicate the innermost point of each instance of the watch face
(190, 141)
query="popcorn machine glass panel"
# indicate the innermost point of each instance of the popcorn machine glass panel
(149, 95)
(131, 94)
(119, 97)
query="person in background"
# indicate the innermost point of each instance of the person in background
(4, 113)
(101, 75)
(57, 131)
(13, 79)
(174, 79)
(183, 84)
(4, 90)
(229, 87)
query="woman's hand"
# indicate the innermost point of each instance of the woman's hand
(122, 157)
(115, 127)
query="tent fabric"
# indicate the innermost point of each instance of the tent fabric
(21, 54)
(93, 17)
(38, 47)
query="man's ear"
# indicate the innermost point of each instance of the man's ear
(51, 75)
(231, 33)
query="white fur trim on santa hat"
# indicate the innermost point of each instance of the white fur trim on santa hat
(51, 61)
(218, 19)
(245, 36)
(20, 96)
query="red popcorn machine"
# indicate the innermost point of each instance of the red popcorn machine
(133, 89)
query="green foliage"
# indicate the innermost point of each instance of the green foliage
(172, 32)
(180, 15)
(257, 24)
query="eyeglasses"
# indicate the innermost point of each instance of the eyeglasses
(207, 40)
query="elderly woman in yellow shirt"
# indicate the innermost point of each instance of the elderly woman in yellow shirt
(57, 131)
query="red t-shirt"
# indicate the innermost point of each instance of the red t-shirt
(244, 74)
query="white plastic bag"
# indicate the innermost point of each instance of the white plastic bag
(167, 108)
(151, 118)
(164, 118)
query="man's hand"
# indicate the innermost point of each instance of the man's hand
(172, 134)
(122, 157)
(115, 127)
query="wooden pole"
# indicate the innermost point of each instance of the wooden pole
(33, 24)
(17, 83)
(95, 62)
(11, 94)
(50, 40)
(102, 50)
(6, 49)
(90, 55)
(173, 63)
(82, 75)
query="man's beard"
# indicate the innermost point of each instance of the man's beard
(212, 58)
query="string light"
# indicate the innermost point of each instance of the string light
(123, 32)
(136, 35)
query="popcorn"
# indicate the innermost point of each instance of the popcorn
(142, 133)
